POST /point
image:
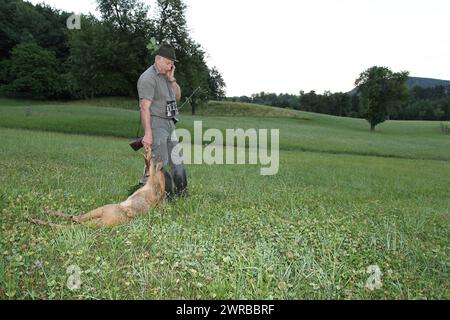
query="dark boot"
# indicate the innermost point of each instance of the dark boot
(169, 188)
(180, 180)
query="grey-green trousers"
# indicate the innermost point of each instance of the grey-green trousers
(166, 148)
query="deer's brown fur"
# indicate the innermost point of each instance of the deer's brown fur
(141, 201)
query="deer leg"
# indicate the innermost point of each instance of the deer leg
(96, 213)
(45, 223)
(99, 223)
(59, 214)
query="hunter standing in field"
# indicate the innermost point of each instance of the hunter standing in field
(158, 95)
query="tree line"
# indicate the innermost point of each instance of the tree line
(417, 104)
(41, 58)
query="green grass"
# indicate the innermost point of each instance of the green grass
(237, 109)
(299, 131)
(310, 231)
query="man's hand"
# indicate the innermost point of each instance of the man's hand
(171, 73)
(147, 140)
(171, 76)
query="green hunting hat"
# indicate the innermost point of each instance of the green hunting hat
(167, 51)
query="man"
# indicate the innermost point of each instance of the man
(158, 92)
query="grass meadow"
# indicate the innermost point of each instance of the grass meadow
(344, 199)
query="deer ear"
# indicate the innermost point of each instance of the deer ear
(159, 165)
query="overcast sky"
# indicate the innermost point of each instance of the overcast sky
(285, 46)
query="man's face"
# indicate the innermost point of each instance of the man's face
(164, 64)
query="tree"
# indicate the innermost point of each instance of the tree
(130, 31)
(342, 104)
(381, 91)
(171, 22)
(103, 58)
(41, 26)
(22, 22)
(94, 61)
(128, 16)
(355, 107)
(31, 72)
(216, 85)
(309, 101)
(8, 30)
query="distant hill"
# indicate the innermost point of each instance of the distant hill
(426, 82)
(420, 82)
